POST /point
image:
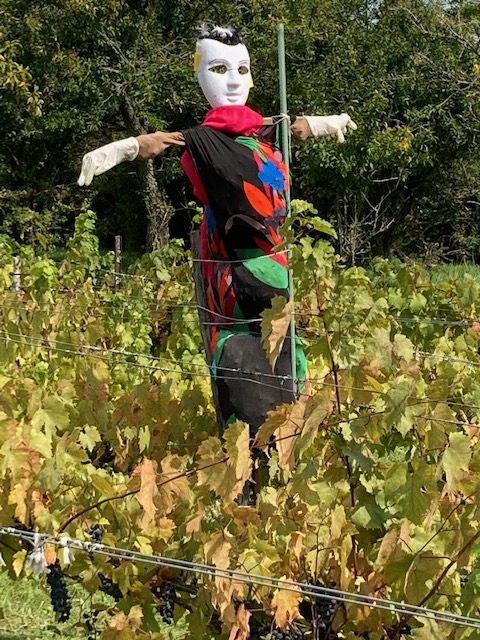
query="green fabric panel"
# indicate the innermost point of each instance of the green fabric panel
(268, 271)
(223, 336)
(237, 313)
(301, 364)
(253, 144)
(245, 254)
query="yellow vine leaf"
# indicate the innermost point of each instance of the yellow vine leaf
(274, 420)
(295, 543)
(239, 465)
(286, 434)
(419, 575)
(148, 490)
(171, 482)
(194, 525)
(211, 471)
(18, 561)
(18, 497)
(135, 616)
(122, 626)
(456, 460)
(50, 552)
(285, 604)
(241, 628)
(387, 548)
(275, 324)
(322, 407)
(217, 549)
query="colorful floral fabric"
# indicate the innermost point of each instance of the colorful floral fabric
(243, 180)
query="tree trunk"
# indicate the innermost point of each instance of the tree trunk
(159, 210)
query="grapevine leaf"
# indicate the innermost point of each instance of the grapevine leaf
(41, 443)
(101, 483)
(323, 226)
(420, 573)
(287, 433)
(368, 514)
(18, 561)
(403, 347)
(413, 503)
(237, 444)
(241, 629)
(387, 548)
(148, 490)
(171, 482)
(275, 325)
(211, 468)
(144, 438)
(427, 631)
(285, 604)
(217, 549)
(18, 497)
(396, 401)
(456, 459)
(52, 416)
(323, 407)
(89, 437)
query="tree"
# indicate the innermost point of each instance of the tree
(406, 70)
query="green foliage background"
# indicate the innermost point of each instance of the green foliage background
(76, 74)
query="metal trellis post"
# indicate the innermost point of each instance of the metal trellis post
(285, 124)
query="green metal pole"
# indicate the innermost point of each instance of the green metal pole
(285, 124)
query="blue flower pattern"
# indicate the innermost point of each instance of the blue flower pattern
(272, 175)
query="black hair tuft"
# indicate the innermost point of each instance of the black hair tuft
(227, 35)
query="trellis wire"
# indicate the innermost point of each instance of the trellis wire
(79, 346)
(303, 588)
(95, 353)
(424, 354)
(97, 350)
(299, 311)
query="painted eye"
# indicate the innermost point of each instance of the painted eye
(243, 70)
(218, 68)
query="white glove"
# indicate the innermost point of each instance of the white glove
(104, 158)
(330, 125)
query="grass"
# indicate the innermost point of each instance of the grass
(26, 613)
(444, 272)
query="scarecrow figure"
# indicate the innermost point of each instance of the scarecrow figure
(238, 174)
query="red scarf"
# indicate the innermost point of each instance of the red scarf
(239, 120)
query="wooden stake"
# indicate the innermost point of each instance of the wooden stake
(16, 275)
(118, 263)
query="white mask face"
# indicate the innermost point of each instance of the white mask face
(223, 72)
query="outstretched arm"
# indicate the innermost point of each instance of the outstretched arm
(110, 155)
(314, 126)
(151, 145)
(305, 127)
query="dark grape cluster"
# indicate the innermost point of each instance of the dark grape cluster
(59, 596)
(96, 532)
(325, 610)
(102, 455)
(405, 630)
(292, 633)
(90, 621)
(258, 628)
(167, 594)
(110, 588)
